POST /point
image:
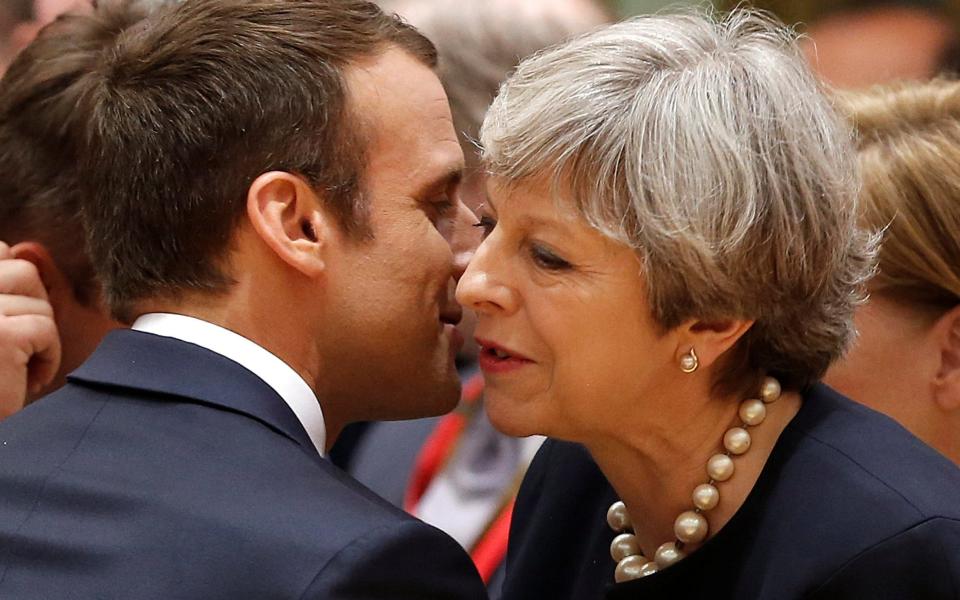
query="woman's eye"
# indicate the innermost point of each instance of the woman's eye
(487, 224)
(548, 260)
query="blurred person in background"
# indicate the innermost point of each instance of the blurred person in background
(875, 43)
(457, 472)
(29, 342)
(20, 20)
(905, 361)
(45, 274)
(854, 44)
(14, 14)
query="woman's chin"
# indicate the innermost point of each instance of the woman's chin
(510, 416)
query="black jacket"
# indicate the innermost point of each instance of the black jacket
(849, 505)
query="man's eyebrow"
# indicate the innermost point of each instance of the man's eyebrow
(443, 182)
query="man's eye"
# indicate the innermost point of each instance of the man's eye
(487, 224)
(546, 259)
(443, 206)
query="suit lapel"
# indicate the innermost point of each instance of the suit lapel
(169, 367)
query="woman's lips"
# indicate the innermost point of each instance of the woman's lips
(495, 358)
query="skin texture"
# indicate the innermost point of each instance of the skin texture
(878, 45)
(906, 363)
(29, 346)
(601, 372)
(368, 323)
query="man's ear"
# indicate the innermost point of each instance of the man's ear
(710, 339)
(59, 288)
(946, 384)
(287, 215)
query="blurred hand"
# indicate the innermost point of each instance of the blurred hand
(29, 343)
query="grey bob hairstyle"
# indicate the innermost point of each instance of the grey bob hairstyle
(705, 144)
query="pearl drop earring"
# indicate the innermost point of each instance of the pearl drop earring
(689, 362)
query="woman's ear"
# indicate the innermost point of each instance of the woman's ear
(946, 383)
(710, 339)
(287, 215)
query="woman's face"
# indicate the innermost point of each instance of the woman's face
(568, 344)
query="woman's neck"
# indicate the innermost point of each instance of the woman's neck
(654, 466)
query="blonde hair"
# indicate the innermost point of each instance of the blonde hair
(705, 144)
(909, 154)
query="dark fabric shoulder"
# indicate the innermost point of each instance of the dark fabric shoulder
(906, 471)
(559, 538)
(845, 490)
(405, 561)
(107, 492)
(921, 563)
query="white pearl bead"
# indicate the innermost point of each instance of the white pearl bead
(736, 440)
(706, 496)
(688, 363)
(752, 412)
(629, 568)
(648, 569)
(617, 517)
(770, 390)
(624, 545)
(690, 527)
(720, 467)
(667, 554)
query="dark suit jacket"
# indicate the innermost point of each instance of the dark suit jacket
(163, 470)
(849, 505)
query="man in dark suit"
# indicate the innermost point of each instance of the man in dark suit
(270, 189)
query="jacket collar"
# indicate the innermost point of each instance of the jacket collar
(142, 361)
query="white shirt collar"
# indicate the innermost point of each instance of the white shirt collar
(288, 384)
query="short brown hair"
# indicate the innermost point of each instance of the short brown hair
(39, 187)
(909, 152)
(187, 110)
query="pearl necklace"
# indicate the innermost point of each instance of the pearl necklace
(690, 526)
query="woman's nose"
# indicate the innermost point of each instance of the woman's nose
(484, 287)
(464, 239)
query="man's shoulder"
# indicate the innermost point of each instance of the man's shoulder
(174, 494)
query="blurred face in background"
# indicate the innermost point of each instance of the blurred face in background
(45, 11)
(15, 33)
(861, 48)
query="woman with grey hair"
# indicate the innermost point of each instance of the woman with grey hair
(671, 262)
